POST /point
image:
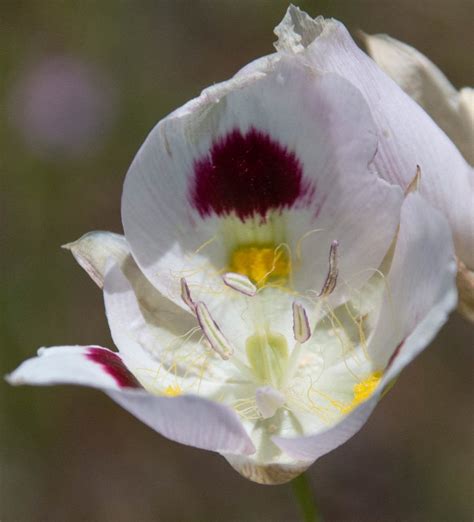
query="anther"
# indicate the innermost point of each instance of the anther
(240, 283)
(301, 328)
(186, 295)
(212, 332)
(333, 272)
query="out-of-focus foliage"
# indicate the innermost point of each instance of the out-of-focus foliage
(81, 85)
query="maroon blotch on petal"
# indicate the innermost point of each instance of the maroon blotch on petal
(395, 353)
(114, 366)
(248, 174)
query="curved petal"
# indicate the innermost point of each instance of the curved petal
(312, 447)
(428, 86)
(266, 473)
(322, 133)
(189, 420)
(407, 135)
(126, 323)
(93, 249)
(422, 293)
(84, 365)
(421, 279)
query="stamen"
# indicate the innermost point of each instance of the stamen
(240, 282)
(333, 272)
(301, 328)
(212, 332)
(186, 295)
(268, 401)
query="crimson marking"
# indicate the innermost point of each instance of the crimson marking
(248, 174)
(114, 366)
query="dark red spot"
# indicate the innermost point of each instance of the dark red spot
(114, 366)
(395, 353)
(248, 174)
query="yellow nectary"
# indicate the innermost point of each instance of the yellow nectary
(261, 263)
(363, 390)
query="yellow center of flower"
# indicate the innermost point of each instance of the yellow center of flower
(363, 390)
(261, 263)
(173, 390)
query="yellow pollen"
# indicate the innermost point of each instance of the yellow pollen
(261, 263)
(363, 390)
(173, 390)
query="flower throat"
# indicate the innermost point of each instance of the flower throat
(262, 264)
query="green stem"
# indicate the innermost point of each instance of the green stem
(305, 499)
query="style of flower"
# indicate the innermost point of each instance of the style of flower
(270, 285)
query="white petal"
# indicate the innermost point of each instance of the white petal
(421, 282)
(407, 135)
(156, 338)
(310, 448)
(325, 122)
(189, 420)
(270, 474)
(142, 322)
(126, 321)
(93, 250)
(428, 86)
(84, 365)
(155, 208)
(422, 293)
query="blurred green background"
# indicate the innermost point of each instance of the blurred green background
(82, 83)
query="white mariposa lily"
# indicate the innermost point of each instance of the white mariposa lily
(452, 110)
(270, 285)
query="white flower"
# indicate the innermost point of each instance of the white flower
(270, 285)
(452, 110)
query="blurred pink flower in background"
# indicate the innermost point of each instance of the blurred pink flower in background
(62, 105)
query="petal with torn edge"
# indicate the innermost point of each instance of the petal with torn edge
(407, 135)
